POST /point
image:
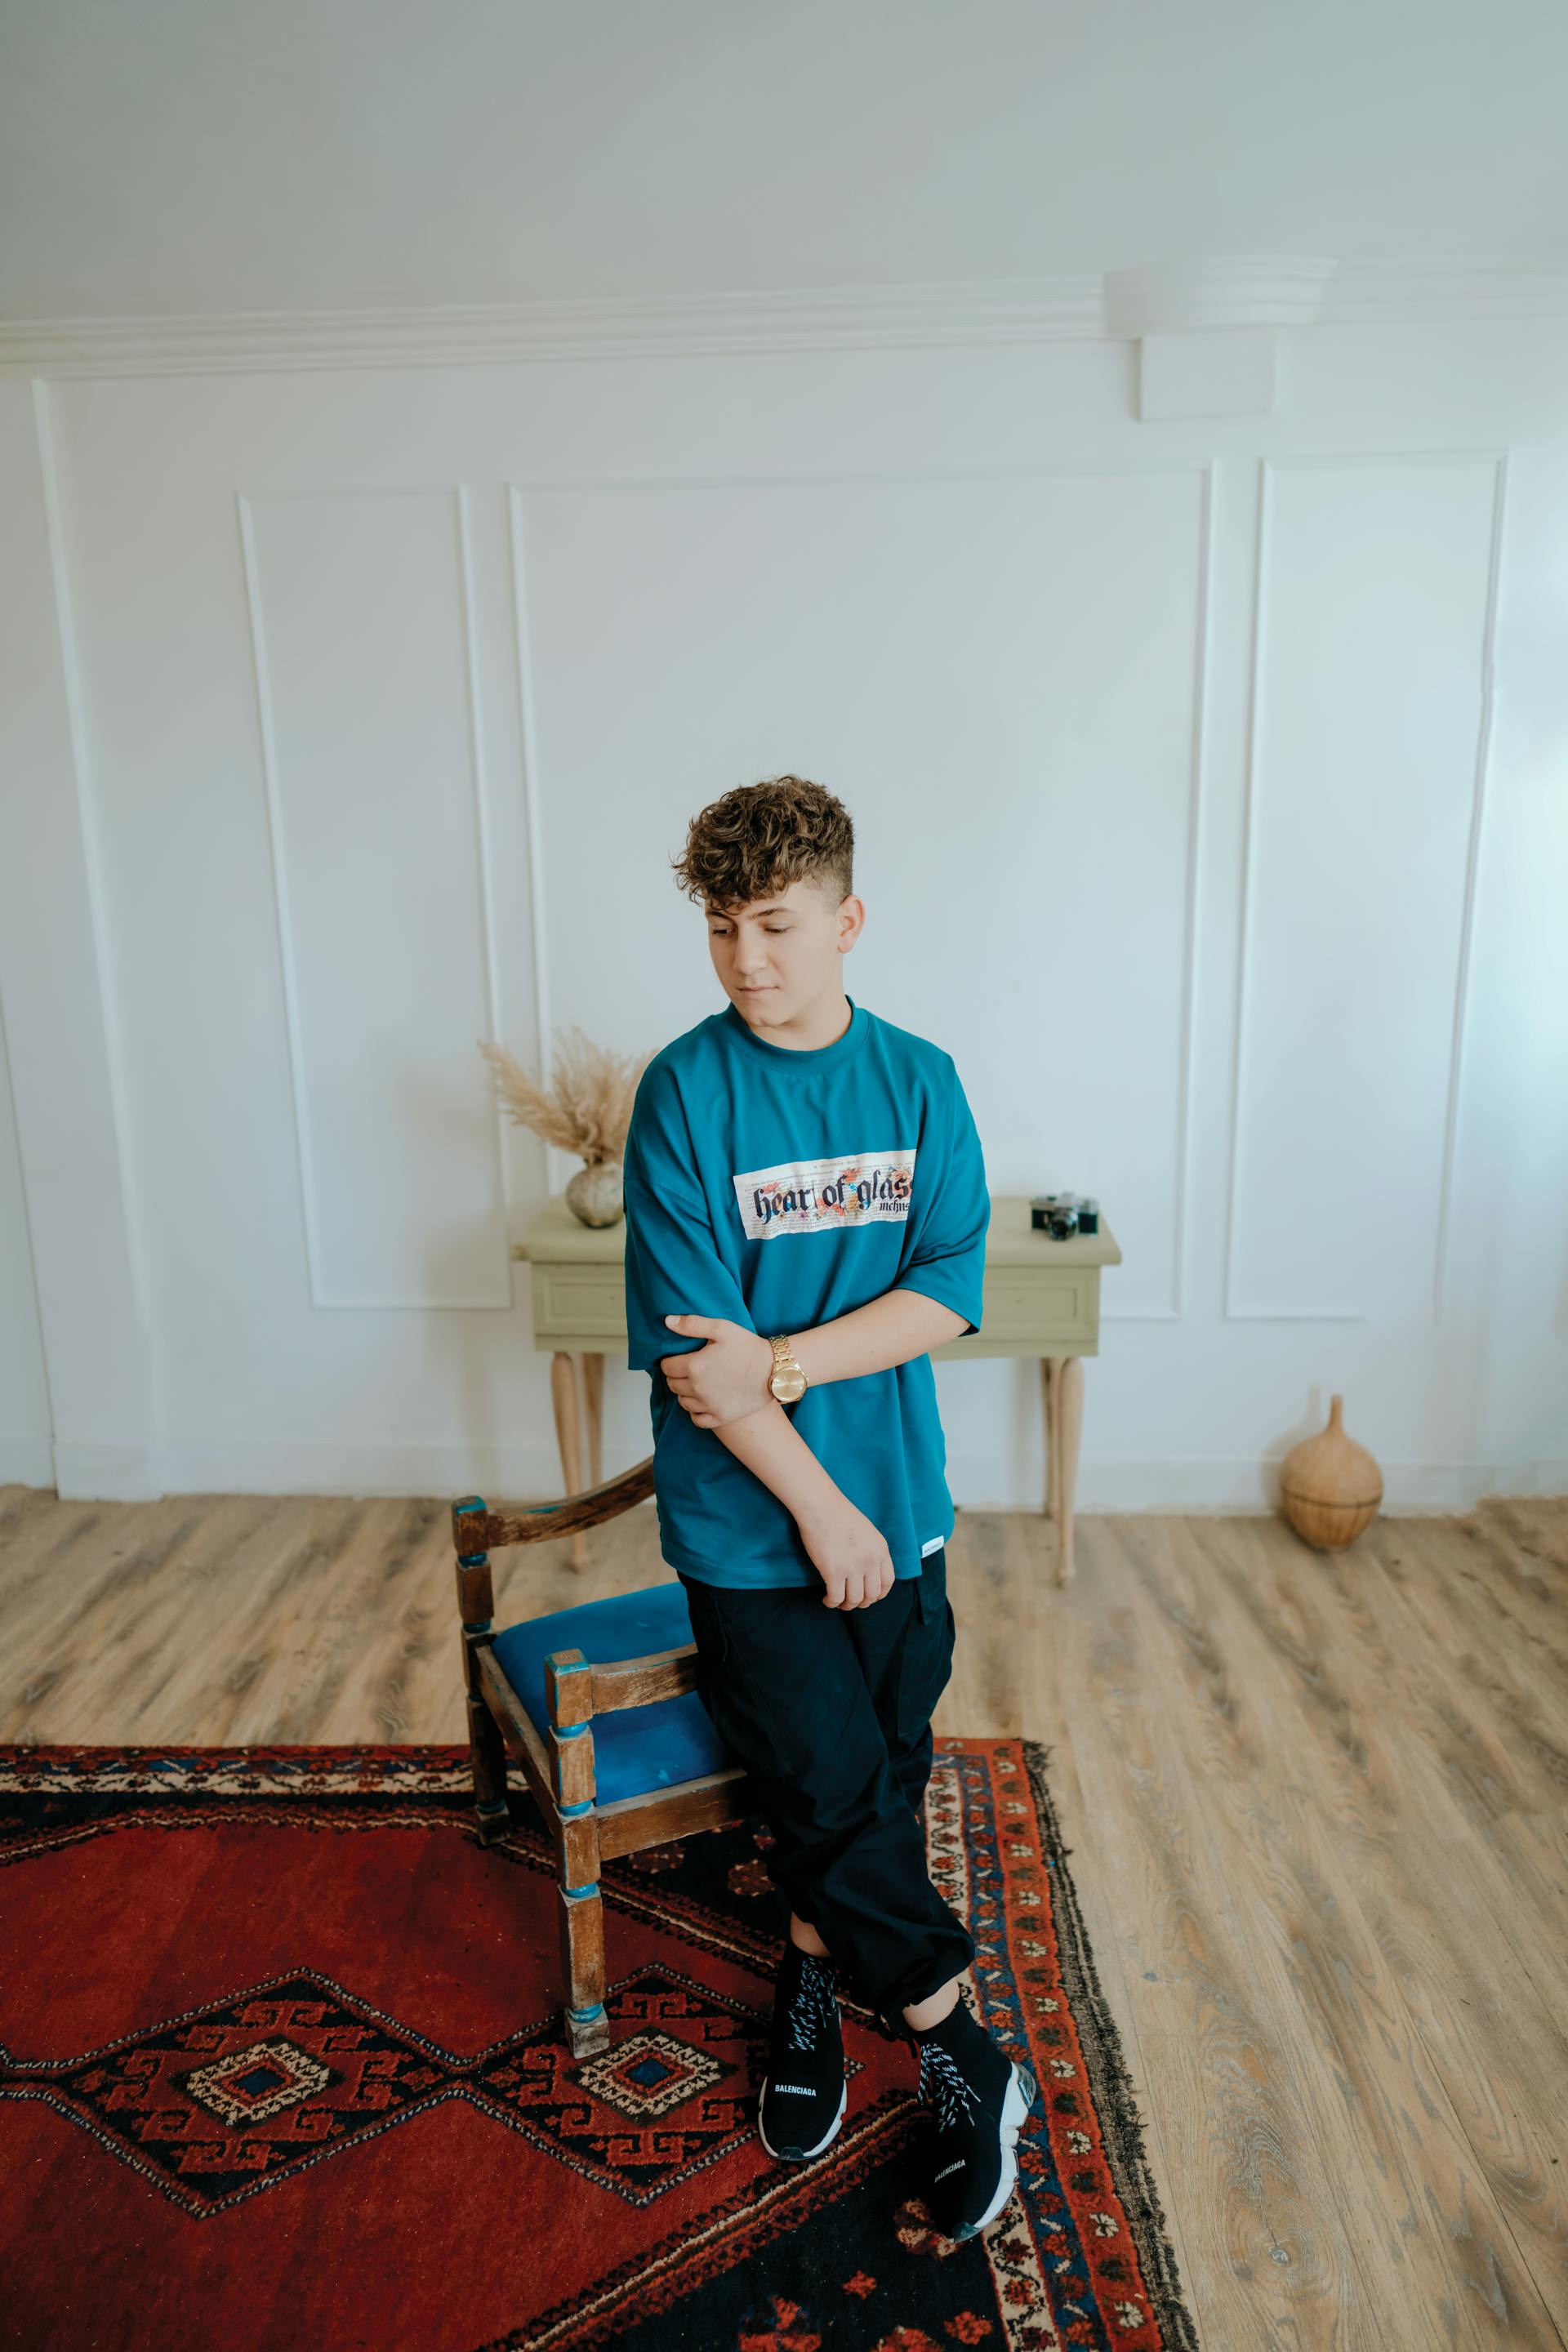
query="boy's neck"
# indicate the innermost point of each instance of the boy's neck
(821, 1023)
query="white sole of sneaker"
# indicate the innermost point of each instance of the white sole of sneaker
(1015, 2107)
(803, 2155)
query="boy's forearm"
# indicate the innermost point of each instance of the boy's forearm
(887, 1330)
(891, 1330)
(768, 1444)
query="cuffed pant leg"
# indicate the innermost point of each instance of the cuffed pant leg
(852, 1861)
(911, 1770)
(782, 1678)
(907, 1675)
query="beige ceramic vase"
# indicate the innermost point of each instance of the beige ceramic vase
(1329, 1487)
(594, 1196)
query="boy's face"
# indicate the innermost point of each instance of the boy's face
(779, 957)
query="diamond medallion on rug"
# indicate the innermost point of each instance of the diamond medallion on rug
(280, 2046)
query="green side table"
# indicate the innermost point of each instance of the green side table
(1042, 1299)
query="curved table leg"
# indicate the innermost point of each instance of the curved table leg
(563, 1397)
(594, 1413)
(1049, 1400)
(1063, 1382)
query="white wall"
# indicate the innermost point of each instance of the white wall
(1211, 784)
(25, 1423)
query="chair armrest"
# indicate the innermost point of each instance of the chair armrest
(476, 1528)
(575, 1691)
(643, 1682)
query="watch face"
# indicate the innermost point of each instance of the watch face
(787, 1386)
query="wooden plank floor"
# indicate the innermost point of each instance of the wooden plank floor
(1317, 1810)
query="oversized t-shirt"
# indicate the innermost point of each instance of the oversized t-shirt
(780, 1187)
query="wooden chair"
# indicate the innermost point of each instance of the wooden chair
(598, 1708)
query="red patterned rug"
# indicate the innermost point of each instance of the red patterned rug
(282, 2070)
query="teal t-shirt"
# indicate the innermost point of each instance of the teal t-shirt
(780, 1189)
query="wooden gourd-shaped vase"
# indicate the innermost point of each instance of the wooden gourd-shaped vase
(1329, 1487)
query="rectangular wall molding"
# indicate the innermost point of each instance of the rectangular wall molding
(360, 618)
(1376, 609)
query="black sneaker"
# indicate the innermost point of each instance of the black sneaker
(980, 2098)
(804, 2090)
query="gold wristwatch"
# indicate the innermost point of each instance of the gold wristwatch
(787, 1379)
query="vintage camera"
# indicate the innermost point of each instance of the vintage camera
(1062, 1214)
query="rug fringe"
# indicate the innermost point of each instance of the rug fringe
(1114, 2094)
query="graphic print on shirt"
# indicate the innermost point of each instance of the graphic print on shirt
(815, 1196)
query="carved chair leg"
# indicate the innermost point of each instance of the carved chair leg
(586, 2021)
(486, 1750)
(487, 1754)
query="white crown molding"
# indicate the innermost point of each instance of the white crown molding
(1218, 291)
(1268, 291)
(1475, 287)
(619, 327)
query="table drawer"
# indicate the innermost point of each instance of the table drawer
(583, 1303)
(579, 1301)
(1022, 1306)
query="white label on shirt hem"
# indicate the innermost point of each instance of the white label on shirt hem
(935, 1544)
(817, 1196)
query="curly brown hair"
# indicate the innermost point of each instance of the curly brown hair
(759, 838)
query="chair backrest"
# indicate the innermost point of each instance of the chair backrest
(576, 1689)
(477, 1529)
(511, 1669)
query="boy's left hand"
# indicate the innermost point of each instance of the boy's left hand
(726, 1380)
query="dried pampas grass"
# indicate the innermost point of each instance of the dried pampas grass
(588, 1106)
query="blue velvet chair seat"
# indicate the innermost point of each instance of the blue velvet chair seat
(637, 1749)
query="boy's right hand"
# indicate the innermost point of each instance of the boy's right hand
(850, 1555)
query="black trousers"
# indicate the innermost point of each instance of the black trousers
(829, 1710)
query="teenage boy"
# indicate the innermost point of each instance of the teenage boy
(805, 1219)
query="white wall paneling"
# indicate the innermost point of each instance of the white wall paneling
(920, 635)
(1376, 592)
(360, 603)
(72, 1214)
(25, 1423)
(1206, 776)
